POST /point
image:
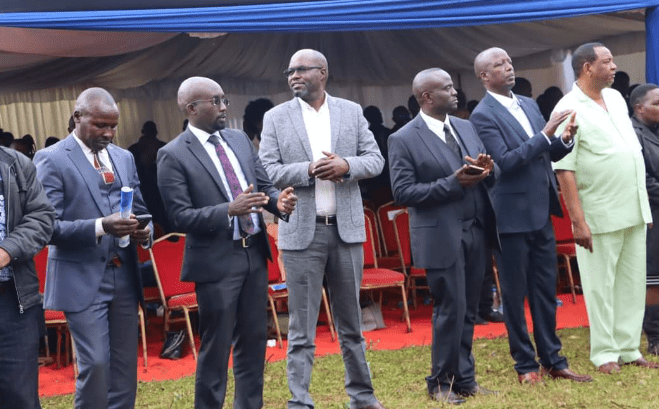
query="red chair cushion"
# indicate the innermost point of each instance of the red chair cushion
(566, 248)
(51, 315)
(417, 272)
(188, 300)
(381, 276)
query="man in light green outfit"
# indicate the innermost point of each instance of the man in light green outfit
(603, 183)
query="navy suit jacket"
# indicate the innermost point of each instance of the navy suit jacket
(422, 177)
(198, 204)
(526, 192)
(76, 258)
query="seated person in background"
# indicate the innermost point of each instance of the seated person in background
(645, 101)
(462, 112)
(51, 140)
(522, 87)
(412, 106)
(253, 119)
(378, 189)
(401, 116)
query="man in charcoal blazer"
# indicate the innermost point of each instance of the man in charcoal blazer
(214, 189)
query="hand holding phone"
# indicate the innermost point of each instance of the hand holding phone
(144, 220)
(474, 170)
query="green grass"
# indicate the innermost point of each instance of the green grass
(398, 378)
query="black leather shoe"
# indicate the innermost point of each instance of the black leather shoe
(449, 397)
(479, 321)
(492, 316)
(477, 390)
(653, 348)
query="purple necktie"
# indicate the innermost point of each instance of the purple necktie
(245, 221)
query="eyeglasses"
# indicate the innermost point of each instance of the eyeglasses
(215, 101)
(301, 70)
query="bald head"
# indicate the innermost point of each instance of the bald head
(426, 81)
(310, 56)
(193, 89)
(433, 89)
(93, 98)
(307, 76)
(495, 70)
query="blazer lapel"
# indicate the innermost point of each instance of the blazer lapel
(200, 153)
(537, 122)
(444, 156)
(507, 116)
(467, 142)
(87, 172)
(335, 120)
(244, 158)
(120, 171)
(295, 114)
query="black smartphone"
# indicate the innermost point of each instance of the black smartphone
(474, 170)
(144, 220)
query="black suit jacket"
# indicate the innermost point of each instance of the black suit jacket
(422, 170)
(197, 202)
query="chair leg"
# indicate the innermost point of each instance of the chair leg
(328, 312)
(406, 311)
(274, 317)
(568, 269)
(67, 345)
(190, 334)
(495, 274)
(59, 347)
(75, 361)
(140, 314)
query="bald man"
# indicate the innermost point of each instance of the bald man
(322, 146)
(90, 277)
(451, 222)
(214, 189)
(523, 146)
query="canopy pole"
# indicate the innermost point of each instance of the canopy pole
(651, 45)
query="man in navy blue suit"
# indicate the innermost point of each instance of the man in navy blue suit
(523, 146)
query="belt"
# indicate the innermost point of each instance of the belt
(115, 261)
(246, 242)
(6, 285)
(327, 220)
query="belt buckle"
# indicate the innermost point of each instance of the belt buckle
(327, 220)
(244, 242)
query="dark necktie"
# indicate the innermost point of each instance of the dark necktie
(245, 221)
(451, 142)
(106, 173)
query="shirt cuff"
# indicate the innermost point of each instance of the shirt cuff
(99, 227)
(546, 137)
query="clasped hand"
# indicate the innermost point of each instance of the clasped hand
(332, 167)
(248, 202)
(484, 161)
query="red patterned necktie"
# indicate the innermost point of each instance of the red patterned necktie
(246, 222)
(106, 173)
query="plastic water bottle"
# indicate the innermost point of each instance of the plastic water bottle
(496, 304)
(125, 209)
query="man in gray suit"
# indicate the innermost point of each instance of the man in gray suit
(90, 277)
(214, 189)
(440, 170)
(321, 145)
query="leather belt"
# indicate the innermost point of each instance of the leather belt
(6, 285)
(246, 242)
(326, 220)
(115, 261)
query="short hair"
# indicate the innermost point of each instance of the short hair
(639, 93)
(584, 54)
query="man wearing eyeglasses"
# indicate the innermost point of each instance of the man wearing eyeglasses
(214, 189)
(321, 145)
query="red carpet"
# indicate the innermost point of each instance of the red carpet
(53, 381)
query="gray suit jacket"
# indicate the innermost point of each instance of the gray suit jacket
(198, 204)
(76, 259)
(650, 143)
(422, 171)
(285, 151)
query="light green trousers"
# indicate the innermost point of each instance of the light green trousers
(613, 280)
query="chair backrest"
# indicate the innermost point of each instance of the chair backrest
(562, 225)
(142, 254)
(369, 248)
(40, 264)
(372, 219)
(274, 273)
(167, 259)
(401, 224)
(387, 226)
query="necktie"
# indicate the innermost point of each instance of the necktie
(246, 223)
(451, 142)
(106, 173)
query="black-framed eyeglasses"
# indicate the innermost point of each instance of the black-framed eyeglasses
(300, 69)
(215, 101)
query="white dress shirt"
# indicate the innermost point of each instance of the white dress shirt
(317, 124)
(437, 127)
(203, 137)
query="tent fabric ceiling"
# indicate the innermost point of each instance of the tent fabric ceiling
(364, 57)
(321, 15)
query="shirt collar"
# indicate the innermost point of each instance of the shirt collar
(85, 149)
(511, 102)
(432, 122)
(306, 107)
(200, 134)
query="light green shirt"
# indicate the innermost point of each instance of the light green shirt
(607, 162)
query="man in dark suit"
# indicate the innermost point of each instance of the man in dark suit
(439, 169)
(214, 189)
(523, 146)
(90, 277)
(644, 100)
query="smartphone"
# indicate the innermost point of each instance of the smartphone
(144, 220)
(474, 170)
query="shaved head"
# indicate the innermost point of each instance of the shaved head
(92, 98)
(425, 81)
(311, 56)
(192, 89)
(484, 59)
(434, 90)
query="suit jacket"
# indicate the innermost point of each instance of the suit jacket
(286, 154)
(198, 204)
(76, 258)
(650, 143)
(526, 192)
(422, 171)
